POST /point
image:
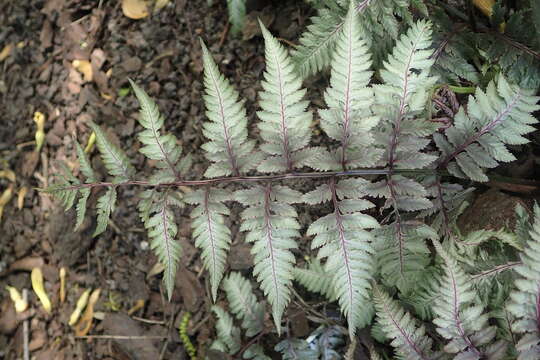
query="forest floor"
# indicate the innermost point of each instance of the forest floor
(162, 54)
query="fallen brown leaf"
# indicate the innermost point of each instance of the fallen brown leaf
(27, 264)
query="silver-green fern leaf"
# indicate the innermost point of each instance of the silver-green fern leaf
(285, 125)
(243, 303)
(408, 337)
(229, 149)
(271, 224)
(228, 334)
(315, 278)
(525, 303)
(348, 119)
(211, 233)
(460, 317)
(156, 211)
(494, 119)
(115, 159)
(345, 241)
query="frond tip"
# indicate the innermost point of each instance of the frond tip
(272, 225)
(345, 241)
(157, 146)
(229, 149)
(285, 126)
(211, 234)
(408, 338)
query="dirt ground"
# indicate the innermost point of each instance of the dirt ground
(162, 54)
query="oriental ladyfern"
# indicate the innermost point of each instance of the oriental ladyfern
(382, 144)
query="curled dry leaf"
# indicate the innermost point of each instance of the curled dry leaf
(20, 303)
(6, 51)
(83, 327)
(20, 197)
(81, 304)
(135, 9)
(37, 284)
(85, 68)
(5, 198)
(8, 174)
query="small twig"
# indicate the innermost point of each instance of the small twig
(288, 42)
(148, 321)
(26, 331)
(224, 35)
(121, 337)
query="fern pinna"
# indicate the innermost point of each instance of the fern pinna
(383, 144)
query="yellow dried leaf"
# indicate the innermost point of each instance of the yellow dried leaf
(106, 96)
(8, 174)
(6, 51)
(83, 327)
(135, 9)
(37, 284)
(5, 198)
(62, 284)
(139, 304)
(485, 6)
(18, 300)
(39, 119)
(85, 68)
(81, 304)
(20, 197)
(90, 143)
(160, 4)
(158, 268)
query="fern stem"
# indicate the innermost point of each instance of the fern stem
(397, 222)
(256, 178)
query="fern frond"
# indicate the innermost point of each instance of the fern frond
(408, 338)
(525, 300)
(318, 42)
(244, 304)
(211, 234)
(229, 149)
(272, 225)
(115, 160)
(316, 279)
(105, 206)
(237, 15)
(158, 218)
(345, 241)
(380, 20)
(285, 126)
(498, 117)
(157, 146)
(402, 99)
(403, 263)
(459, 316)
(348, 118)
(227, 332)
(88, 172)
(255, 352)
(293, 349)
(84, 164)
